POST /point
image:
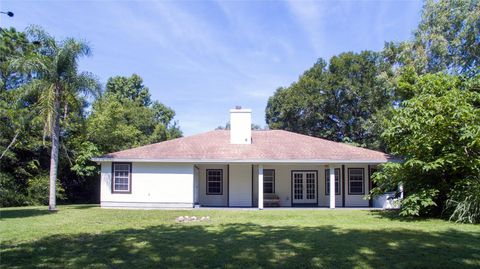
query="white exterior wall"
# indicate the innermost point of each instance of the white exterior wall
(283, 185)
(158, 185)
(357, 200)
(154, 185)
(240, 185)
(213, 200)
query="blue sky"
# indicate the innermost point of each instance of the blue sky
(204, 57)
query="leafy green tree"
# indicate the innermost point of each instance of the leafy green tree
(12, 44)
(131, 88)
(437, 133)
(21, 147)
(25, 111)
(446, 39)
(55, 77)
(125, 117)
(340, 102)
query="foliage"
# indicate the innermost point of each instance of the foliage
(437, 132)
(11, 193)
(130, 88)
(53, 67)
(33, 67)
(419, 202)
(122, 119)
(38, 190)
(463, 204)
(341, 102)
(12, 44)
(83, 165)
(446, 39)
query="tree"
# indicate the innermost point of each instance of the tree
(126, 117)
(54, 69)
(445, 40)
(437, 133)
(340, 102)
(12, 44)
(253, 126)
(131, 88)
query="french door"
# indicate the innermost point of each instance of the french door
(304, 187)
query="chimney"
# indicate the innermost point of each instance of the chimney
(240, 126)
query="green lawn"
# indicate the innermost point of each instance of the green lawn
(85, 236)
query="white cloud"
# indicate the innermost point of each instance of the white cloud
(310, 15)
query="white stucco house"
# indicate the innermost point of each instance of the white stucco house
(237, 168)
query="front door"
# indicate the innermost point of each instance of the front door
(304, 187)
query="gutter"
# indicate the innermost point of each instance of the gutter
(224, 161)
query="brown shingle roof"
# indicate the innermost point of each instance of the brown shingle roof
(273, 145)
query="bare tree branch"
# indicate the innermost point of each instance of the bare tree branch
(10, 145)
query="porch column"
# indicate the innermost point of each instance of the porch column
(260, 186)
(332, 186)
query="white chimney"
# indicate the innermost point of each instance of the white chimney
(240, 126)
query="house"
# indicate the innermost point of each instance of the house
(236, 168)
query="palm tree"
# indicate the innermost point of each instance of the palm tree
(53, 67)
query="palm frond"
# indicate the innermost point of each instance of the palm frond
(46, 105)
(33, 64)
(47, 43)
(88, 84)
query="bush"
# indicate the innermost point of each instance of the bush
(38, 190)
(419, 203)
(463, 204)
(10, 192)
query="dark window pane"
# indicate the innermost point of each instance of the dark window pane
(356, 181)
(214, 181)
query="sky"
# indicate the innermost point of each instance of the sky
(202, 58)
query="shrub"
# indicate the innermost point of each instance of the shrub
(419, 203)
(463, 204)
(38, 190)
(10, 191)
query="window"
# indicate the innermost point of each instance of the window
(268, 181)
(214, 181)
(355, 181)
(311, 186)
(337, 181)
(122, 180)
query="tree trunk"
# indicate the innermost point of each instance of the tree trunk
(55, 149)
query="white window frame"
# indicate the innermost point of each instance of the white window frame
(304, 184)
(128, 177)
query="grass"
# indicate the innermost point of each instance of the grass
(87, 236)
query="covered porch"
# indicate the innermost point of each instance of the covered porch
(257, 185)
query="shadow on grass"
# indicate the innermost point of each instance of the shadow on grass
(19, 212)
(247, 246)
(394, 214)
(82, 206)
(23, 213)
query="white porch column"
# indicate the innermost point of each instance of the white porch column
(260, 186)
(332, 186)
